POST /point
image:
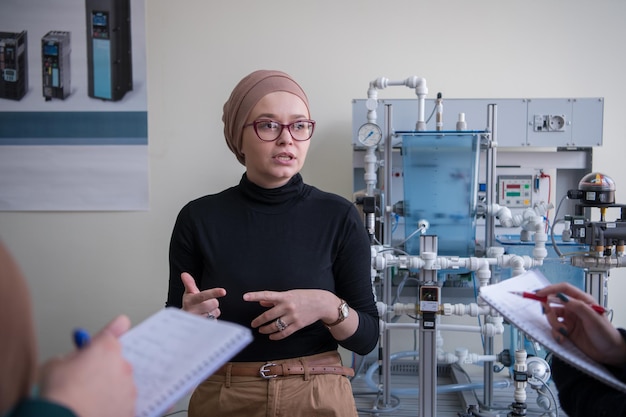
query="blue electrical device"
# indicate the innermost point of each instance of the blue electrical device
(109, 51)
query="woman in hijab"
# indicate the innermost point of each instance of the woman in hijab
(93, 382)
(278, 255)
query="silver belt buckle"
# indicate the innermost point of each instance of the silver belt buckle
(263, 371)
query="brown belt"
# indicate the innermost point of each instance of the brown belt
(304, 366)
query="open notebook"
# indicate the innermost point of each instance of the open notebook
(173, 351)
(526, 315)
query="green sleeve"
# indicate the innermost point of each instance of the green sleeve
(35, 407)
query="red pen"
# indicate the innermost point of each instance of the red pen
(597, 308)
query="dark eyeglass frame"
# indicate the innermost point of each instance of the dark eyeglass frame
(282, 127)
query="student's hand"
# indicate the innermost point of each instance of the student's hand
(577, 321)
(95, 381)
(204, 303)
(297, 309)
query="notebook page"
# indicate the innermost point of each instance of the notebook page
(526, 315)
(173, 351)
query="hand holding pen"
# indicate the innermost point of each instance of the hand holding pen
(558, 298)
(94, 380)
(571, 316)
(81, 338)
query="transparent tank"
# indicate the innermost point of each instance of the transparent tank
(440, 186)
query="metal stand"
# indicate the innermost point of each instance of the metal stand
(596, 284)
(428, 341)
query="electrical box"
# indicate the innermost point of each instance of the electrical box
(55, 59)
(13, 65)
(109, 52)
(522, 122)
(429, 298)
(564, 122)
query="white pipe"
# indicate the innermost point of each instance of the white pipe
(520, 366)
(539, 251)
(503, 214)
(465, 357)
(370, 176)
(472, 310)
(371, 104)
(369, 380)
(430, 262)
(421, 90)
(450, 327)
(517, 265)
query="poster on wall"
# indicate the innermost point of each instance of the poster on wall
(73, 106)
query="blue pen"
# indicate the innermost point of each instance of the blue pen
(81, 338)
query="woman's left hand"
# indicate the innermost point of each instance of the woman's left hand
(290, 311)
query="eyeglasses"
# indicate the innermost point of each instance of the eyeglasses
(269, 130)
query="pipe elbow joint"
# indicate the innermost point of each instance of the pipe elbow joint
(380, 82)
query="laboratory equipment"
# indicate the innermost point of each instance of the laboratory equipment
(455, 203)
(605, 238)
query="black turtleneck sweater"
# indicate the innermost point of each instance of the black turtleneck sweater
(248, 238)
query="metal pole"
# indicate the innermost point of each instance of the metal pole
(596, 284)
(428, 342)
(492, 116)
(387, 297)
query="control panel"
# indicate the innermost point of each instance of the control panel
(514, 191)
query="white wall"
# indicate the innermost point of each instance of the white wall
(86, 267)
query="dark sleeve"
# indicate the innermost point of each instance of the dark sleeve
(352, 270)
(583, 395)
(183, 257)
(39, 408)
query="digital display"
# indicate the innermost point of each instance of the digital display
(51, 49)
(99, 19)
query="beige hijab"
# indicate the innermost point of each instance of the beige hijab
(18, 348)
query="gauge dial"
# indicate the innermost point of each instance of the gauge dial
(370, 134)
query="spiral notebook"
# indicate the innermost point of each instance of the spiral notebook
(526, 315)
(173, 351)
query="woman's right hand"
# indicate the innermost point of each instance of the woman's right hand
(574, 319)
(204, 303)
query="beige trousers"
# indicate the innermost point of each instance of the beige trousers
(325, 395)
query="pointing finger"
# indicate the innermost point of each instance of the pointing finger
(189, 283)
(262, 296)
(209, 294)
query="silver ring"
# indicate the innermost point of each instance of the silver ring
(280, 324)
(210, 316)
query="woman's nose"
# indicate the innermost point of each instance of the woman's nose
(285, 136)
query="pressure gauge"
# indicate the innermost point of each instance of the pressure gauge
(370, 134)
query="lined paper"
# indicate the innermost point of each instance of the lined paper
(526, 315)
(172, 351)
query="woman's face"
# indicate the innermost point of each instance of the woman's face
(272, 164)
